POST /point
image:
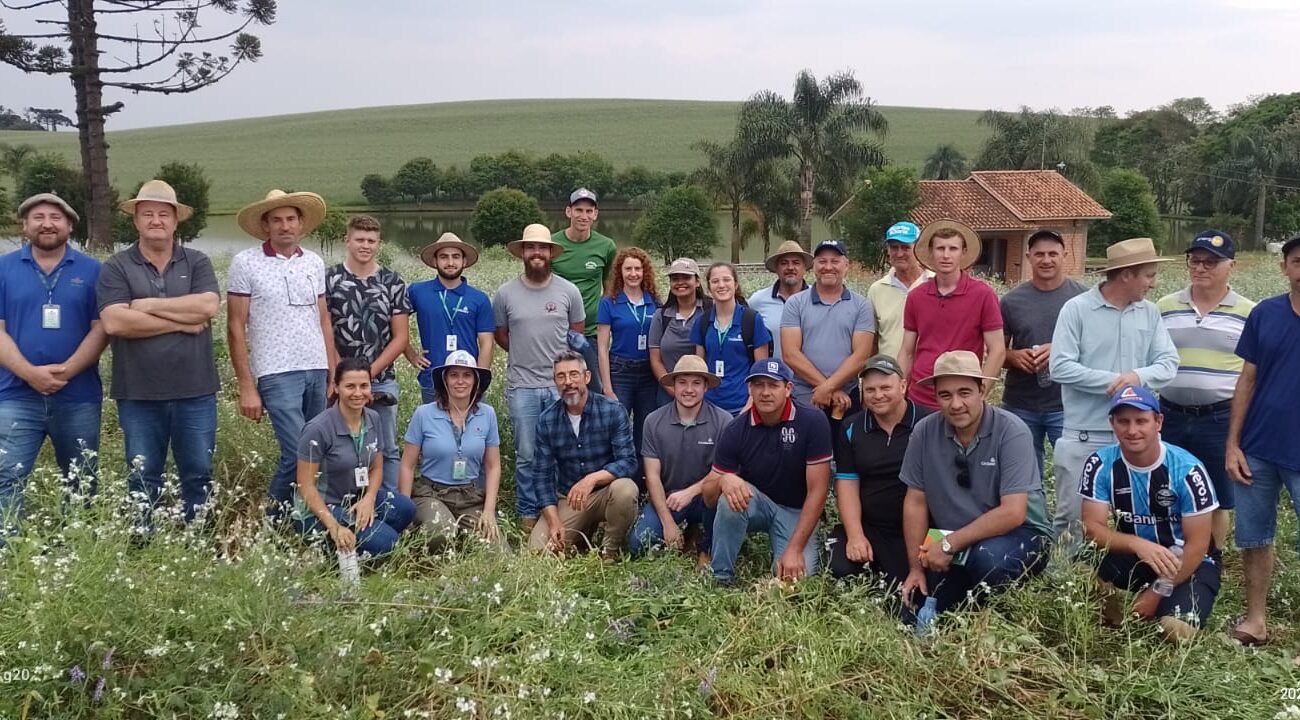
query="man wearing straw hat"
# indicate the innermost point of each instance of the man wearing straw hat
(534, 315)
(1106, 338)
(888, 295)
(156, 300)
(281, 342)
(790, 263)
(450, 314)
(953, 311)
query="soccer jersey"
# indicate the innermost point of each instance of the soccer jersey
(1149, 502)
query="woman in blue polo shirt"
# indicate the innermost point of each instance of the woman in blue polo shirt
(455, 443)
(341, 472)
(622, 337)
(719, 338)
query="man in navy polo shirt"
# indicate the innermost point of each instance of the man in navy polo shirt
(773, 473)
(50, 342)
(450, 314)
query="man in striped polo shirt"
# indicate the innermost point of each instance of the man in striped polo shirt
(1205, 320)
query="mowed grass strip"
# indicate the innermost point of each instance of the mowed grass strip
(329, 152)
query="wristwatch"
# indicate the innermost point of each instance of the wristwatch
(946, 547)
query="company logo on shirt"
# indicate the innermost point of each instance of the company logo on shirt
(77, 281)
(708, 441)
(788, 435)
(991, 462)
(592, 265)
(550, 307)
(1165, 497)
(1136, 519)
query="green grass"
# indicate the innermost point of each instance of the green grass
(244, 622)
(329, 152)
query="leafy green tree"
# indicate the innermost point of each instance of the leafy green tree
(1195, 110)
(1154, 142)
(945, 163)
(513, 168)
(331, 231)
(417, 178)
(890, 194)
(1260, 157)
(822, 127)
(13, 157)
(377, 190)
(457, 184)
(501, 215)
(681, 223)
(562, 174)
(49, 172)
(1224, 169)
(637, 180)
(1127, 195)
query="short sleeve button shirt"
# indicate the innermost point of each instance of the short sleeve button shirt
(775, 458)
(362, 311)
(627, 323)
(684, 451)
(826, 331)
(462, 311)
(729, 348)
(327, 441)
(431, 430)
(284, 332)
(956, 321)
(867, 455)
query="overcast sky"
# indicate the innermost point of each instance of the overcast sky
(1132, 54)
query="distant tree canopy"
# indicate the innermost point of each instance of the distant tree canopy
(890, 195)
(10, 120)
(682, 222)
(49, 118)
(1127, 194)
(501, 215)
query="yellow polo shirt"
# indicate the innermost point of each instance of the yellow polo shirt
(887, 296)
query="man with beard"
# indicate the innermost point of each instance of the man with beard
(534, 314)
(450, 314)
(789, 263)
(888, 295)
(584, 457)
(50, 342)
(586, 261)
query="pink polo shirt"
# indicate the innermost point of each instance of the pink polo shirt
(956, 321)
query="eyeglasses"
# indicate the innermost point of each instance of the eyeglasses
(1207, 263)
(963, 471)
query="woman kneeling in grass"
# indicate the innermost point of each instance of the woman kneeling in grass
(341, 469)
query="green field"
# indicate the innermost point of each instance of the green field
(329, 152)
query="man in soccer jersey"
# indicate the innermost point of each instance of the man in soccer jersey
(1162, 502)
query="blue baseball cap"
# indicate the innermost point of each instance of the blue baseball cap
(904, 232)
(770, 368)
(1214, 241)
(1134, 396)
(836, 245)
(583, 194)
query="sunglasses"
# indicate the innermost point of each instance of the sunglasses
(963, 471)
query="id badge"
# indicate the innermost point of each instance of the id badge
(458, 469)
(361, 476)
(719, 368)
(51, 317)
(641, 342)
(451, 343)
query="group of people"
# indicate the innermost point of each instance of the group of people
(689, 419)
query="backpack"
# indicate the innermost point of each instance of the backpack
(748, 318)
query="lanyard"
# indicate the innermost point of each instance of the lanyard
(458, 434)
(451, 312)
(49, 282)
(640, 319)
(359, 441)
(721, 332)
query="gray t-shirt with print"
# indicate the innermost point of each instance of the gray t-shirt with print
(538, 320)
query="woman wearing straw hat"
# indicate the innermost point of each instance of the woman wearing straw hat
(455, 442)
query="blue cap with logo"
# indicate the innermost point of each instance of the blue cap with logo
(1214, 241)
(836, 245)
(1134, 396)
(583, 194)
(770, 368)
(904, 232)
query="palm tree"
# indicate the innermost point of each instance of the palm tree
(1030, 139)
(945, 163)
(1258, 157)
(821, 127)
(729, 177)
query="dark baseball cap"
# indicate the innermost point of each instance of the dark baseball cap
(1290, 245)
(1134, 396)
(882, 363)
(1214, 241)
(583, 194)
(836, 245)
(770, 368)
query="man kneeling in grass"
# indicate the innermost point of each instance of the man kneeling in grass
(1163, 503)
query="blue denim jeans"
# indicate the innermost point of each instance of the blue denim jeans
(1206, 437)
(761, 515)
(996, 562)
(189, 427)
(638, 392)
(1257, 502)
(73, 429)
(648, 531)
(388, 434)
(593, 364)
(393, 512)
(1042, 425)
(291, 399)
(427, 395)
(525, 405)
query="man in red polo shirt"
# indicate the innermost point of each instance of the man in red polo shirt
(951, 311)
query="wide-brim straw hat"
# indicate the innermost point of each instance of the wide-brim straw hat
(789, 247)
(157, 191)
(922, 247)
(535, 233)
(311, 205)
(956, 363)
(462, 358)
(1134, 251)
(690, 365)
(429, 253)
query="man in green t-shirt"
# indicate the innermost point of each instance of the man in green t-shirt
(587, 260)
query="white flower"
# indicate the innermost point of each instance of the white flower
(466, 705)
(224, 711)
(588, 697)
(442, 674)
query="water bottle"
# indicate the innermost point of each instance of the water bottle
(925, 616)
(1164, 587)
(1044, 375)
(349, 571)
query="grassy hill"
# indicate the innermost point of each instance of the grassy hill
(329, 152)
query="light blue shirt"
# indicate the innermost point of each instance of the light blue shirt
(770, 305)
(827, 332)
(1094, 342)
(432, 431)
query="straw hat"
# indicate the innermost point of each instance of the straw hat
(690, 365)
(461, 358)
(922, 247)
(430, 252)
(311, 205)
(1134, 251)
(157, 191)
(535, 233)
(959, 363)
(789, 247)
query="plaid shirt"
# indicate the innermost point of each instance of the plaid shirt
(561, 458)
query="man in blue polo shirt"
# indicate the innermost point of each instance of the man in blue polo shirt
(50, 342)
(773, 471)
(450, 314)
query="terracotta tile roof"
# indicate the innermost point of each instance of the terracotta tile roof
(1005, 200)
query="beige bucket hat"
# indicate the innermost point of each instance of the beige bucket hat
(535, 233)
(1134, 251)
(157, 191)
(430, 252)
(311, 205)
(690, 365)
(968, 258)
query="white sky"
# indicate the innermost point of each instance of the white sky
(1132, 54)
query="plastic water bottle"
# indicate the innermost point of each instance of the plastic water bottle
(1044, 375)
(925, 616)
(349, 571)
(1164, 587)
